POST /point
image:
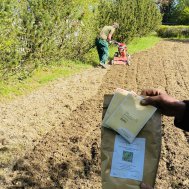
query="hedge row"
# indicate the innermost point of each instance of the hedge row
(173, 31)
(41, 31)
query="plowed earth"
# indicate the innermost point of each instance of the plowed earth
(51, 138)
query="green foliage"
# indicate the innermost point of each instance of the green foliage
(166, 8)
(40, 31)
(181, 13)
(173, 31)
(183, 18)
(136, 18)
(10, 55)
(175, 11)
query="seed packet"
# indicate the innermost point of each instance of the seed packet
(127, 116)
(118, 97)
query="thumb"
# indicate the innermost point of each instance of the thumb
(149, 101)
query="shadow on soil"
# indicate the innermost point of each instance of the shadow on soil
(27, 179)
(178, 40)
(57, 173)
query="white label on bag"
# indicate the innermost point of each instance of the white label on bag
(128, 159)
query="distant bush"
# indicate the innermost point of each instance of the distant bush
(173, 31)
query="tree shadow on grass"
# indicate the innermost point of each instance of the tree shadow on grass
(178, 40)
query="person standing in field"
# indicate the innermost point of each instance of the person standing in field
(102, 43)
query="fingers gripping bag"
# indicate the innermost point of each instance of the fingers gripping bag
(125, 165)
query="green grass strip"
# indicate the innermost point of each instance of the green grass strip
(41, 76)
(139, 44)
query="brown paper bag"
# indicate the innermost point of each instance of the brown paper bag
(152, 133)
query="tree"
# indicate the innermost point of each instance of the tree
(174, 11)
(184, 16)
(38, 32)
(136, 18)
(179, 14)
(166, 8)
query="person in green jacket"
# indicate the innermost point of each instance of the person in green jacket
(102, 43)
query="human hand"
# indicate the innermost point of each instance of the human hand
(145, 186)
(168, 105)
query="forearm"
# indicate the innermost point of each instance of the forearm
(183, 123)
(109, 37)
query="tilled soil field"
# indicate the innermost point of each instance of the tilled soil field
(51, 138)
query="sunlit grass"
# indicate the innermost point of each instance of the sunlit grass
(41, 76)
(139, 44)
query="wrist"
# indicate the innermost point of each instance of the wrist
(180, 110)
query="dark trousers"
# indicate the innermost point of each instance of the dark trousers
(102, 48)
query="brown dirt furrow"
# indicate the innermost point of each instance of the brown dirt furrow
(76, 145)
(27, 119)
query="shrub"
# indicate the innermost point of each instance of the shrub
(10, 52)
(173, 31)
(39, 31)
